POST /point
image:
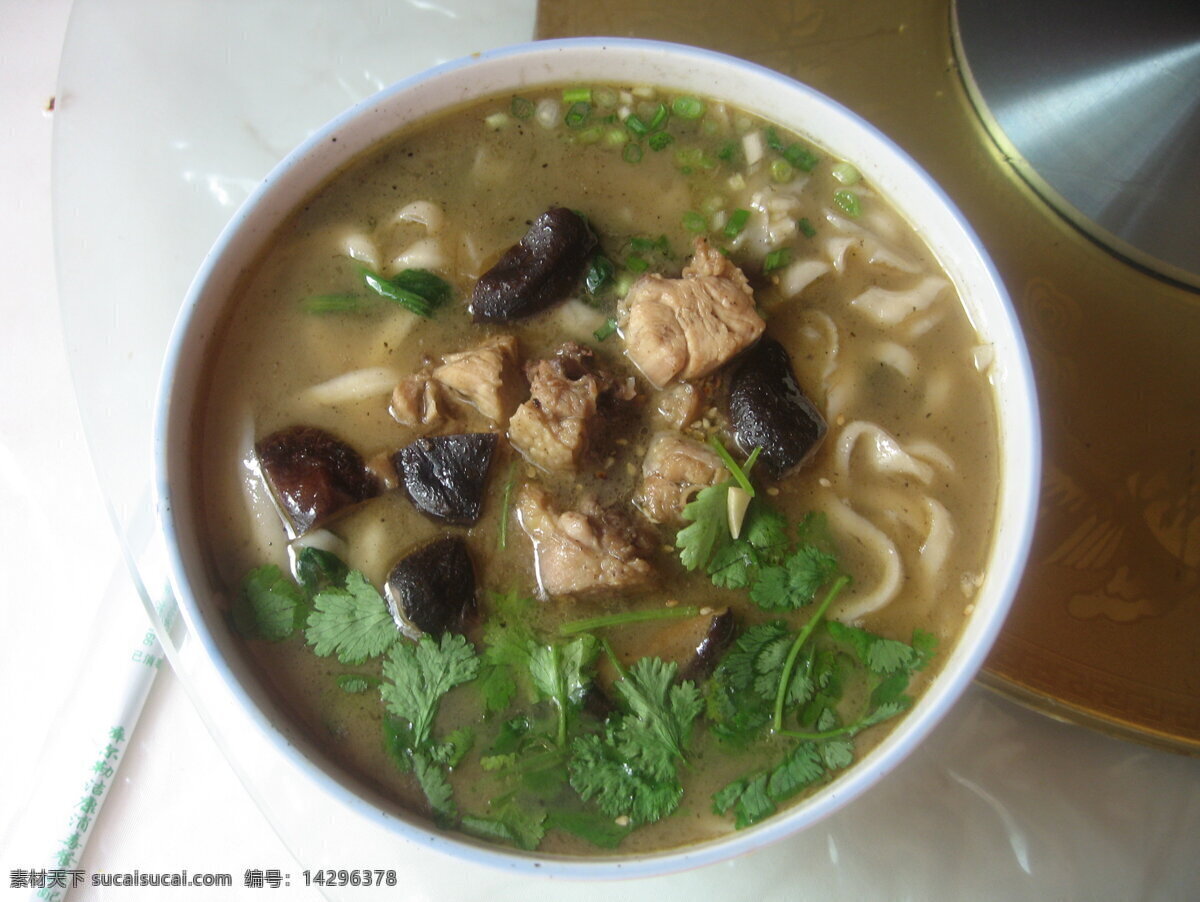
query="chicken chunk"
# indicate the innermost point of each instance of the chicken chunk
(418, 400)
(679, 405)
(586, 551)
(568, 391)
(487, 376)
(673, 470)
(686, 328)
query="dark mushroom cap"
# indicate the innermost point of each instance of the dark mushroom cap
(537, 272)
(445, 476)
(432, 590)
(768, 410)
(313, 475)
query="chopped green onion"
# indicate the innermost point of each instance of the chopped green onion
(659, 117)
(624, 282)
(807, 229)
(777, 258)
(333, 303)
(421, 281)
(599, 274)
(521, 107)
(660, 140)
(578, 114)
(605, 98)
(591, 624)
(728, 151)
(689, 159)
(636, 263)
(846, 173)
(737, 221)
(632, 153)
(505, 504)
(577, 95)
(589, 135)
(634, 123)
(417, 290)
(650, 245)
(740, 474)
(496, 121)
(609, 327)
(688, 107)
(848, 202)
(694, 222)
(615, 137)
(774, 141)
(801, 157)
(782, 170)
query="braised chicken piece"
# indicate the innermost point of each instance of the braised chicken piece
(686, 328)
(552, 429)
(579, 552)
(679, 404)
(419, 400)
(673, 470)
(487, 376)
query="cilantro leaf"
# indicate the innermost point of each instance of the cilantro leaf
(514, 826)
(351, 622)
(269, 606)
(620, 788)
(561, 673)
(508, 643)
(709, 526)
(631, 770)
(748, 798)
(800, 768)
(317, 569)
(758, 796)
(794, 583)
(598, 829)
(417, 675)
(663, 709)
(355, 683)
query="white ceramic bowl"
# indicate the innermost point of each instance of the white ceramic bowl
(686, 69)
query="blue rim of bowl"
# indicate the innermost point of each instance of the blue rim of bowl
(917, 724)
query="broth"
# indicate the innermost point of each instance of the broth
(906, 477)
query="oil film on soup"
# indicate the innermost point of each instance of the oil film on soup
(597, 469)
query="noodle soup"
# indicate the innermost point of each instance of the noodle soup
(597, 469)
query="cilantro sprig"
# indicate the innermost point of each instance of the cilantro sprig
(631, 770)
(416, 676)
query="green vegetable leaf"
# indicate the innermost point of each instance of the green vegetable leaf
(417, 675)
(631, 770)
(708, 529)
(317, 569)
(663, 709)
(355, 683)
(270, 606)
(417, 290)
(794, 583)
(799, 769)
(561, 673)
(598, 829)
(748, 798)
(619, 789)
(351, 622)
(508, 643)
